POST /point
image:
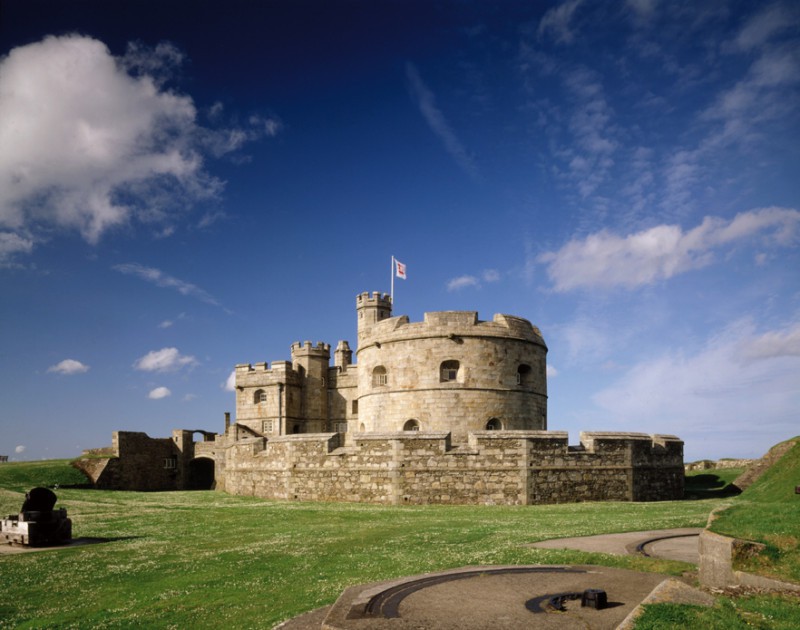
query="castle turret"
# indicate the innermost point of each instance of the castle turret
(371, 310)
(312, 364)
(343, 356)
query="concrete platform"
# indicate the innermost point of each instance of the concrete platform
(506, 597)
(669, 544)
(477, 598)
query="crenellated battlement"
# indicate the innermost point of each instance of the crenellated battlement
(278, 367)
(376, 298)
(454, 323)
(306, 348)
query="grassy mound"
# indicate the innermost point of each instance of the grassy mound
(51, 473)
(769, 512)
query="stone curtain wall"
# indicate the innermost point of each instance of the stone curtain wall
(495, 467)
(138, 464)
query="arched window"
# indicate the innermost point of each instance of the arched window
(448, 371)
(259, 396)
(411, 425)
(494, 425)
(362, 428)
(523, 374)
(379, 376)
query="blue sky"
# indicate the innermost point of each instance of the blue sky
(189, 185)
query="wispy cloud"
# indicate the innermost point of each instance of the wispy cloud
(69, 367)
(605, 260)
(426, 101)
(556, 22)
(12, 244)
(763, 26)
(164, 360)
(462, 282)
(161, 279)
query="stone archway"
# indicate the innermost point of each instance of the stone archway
(201, 474)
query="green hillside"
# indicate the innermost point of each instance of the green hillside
(769, 512)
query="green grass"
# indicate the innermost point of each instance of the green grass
(771, 611)
(206, 559)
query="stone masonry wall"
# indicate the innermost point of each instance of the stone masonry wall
(495, 467)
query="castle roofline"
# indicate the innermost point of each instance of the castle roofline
(455, 323)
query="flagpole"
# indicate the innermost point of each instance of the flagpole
(391, 294)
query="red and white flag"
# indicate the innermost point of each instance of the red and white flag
(400, 269)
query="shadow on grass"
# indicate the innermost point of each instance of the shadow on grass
(708, 486)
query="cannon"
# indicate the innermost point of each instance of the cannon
(37, 524)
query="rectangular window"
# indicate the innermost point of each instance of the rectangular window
(170, 463)
(355, 408)
(267, 426)
(341, 427)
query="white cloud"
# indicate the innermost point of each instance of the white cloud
(91, 141)
(715, 395)
(77, 130)
(164, 360)
(161, 279)
(604, 260)
(551, 371)
(69, 366)
(426, 102)
(20, 448)
(166, 324)
(230, 383)
(158, 393)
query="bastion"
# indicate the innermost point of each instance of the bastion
(451, 409)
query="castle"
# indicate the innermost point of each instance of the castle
(448, 410)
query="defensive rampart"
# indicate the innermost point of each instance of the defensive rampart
(495, 467)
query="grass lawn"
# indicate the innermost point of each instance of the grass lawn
(206, 559)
